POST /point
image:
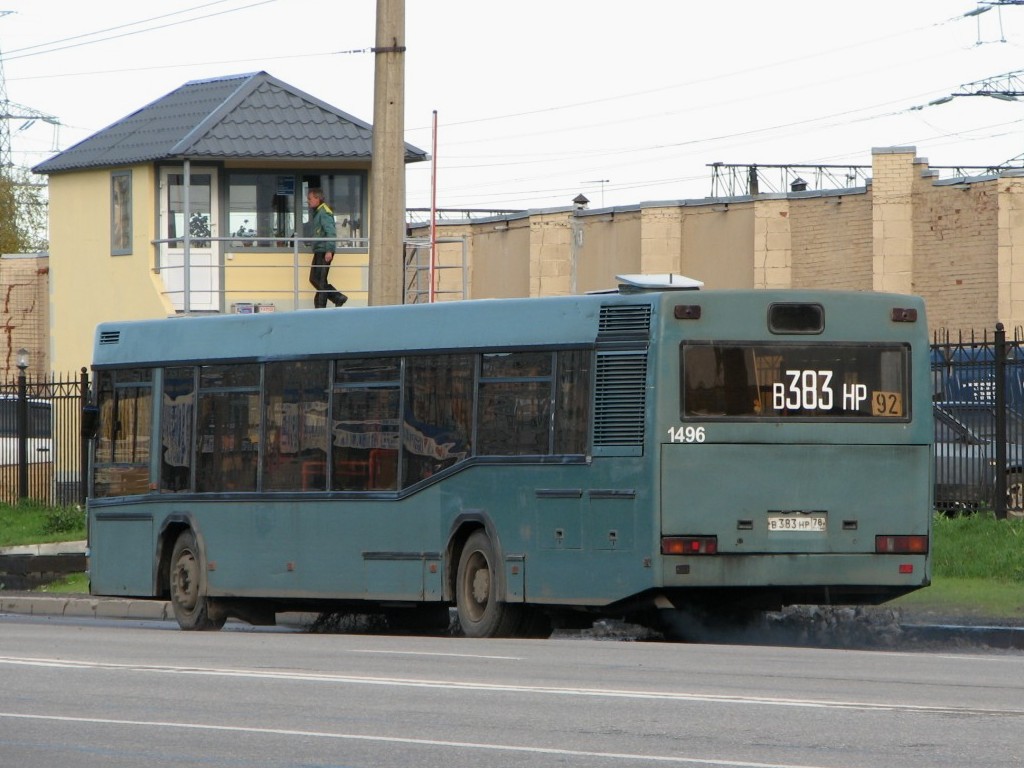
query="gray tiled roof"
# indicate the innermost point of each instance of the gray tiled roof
(252, 116)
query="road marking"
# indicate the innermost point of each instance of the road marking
(428, 653)
(466, 685)
(622, 756)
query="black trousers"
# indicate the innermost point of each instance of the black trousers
(324, 290)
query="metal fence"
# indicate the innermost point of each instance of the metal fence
(54, 467)
(978, 407)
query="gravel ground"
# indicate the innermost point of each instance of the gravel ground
(810, 626)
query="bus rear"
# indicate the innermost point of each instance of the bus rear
(794, 440)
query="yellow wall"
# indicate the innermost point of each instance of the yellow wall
(87, 284)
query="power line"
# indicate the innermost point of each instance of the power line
(8, 111)
(129, 34)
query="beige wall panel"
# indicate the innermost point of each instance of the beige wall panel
(1011, 252)
(551, 254)
(611, 246)
(500, 261)
(661, 238)
(718, 246)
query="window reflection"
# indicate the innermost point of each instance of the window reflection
(295, 402)
(364, 437)
(121, 458)
(177, 411)
(438, 415)
(515, 404)
(379, 424)
(228, 428)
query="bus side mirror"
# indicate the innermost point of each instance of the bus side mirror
(90, 421)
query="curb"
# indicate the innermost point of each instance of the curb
(86, 607)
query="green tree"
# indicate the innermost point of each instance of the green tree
(22, 211)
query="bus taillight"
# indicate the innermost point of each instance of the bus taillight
(901, 545)
(689, 545)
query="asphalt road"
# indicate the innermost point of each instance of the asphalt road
(87, 692)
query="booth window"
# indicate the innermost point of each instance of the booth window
(267, 210)
(120, 213)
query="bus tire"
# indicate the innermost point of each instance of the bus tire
(192, 608)
(480, 612)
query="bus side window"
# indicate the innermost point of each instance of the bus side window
(437, 424)
(514, 404)
(295, 417)
(365, 423)
(124, 399)
(572, 401)
(177, 410)
(228, 427)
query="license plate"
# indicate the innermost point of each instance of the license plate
(798, 522)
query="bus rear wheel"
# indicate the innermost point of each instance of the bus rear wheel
(480, 612)
(192, 608)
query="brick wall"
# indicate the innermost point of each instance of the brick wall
(955, 255)
(832, 239)
(24, 314)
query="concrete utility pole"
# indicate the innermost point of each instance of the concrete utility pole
(387, 175)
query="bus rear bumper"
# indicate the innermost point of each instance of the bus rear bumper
(798, 578)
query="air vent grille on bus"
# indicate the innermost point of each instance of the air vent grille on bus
(620, 398)
(625, 321)
(110, 337)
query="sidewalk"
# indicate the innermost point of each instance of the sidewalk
(71, 604)
(56, 548)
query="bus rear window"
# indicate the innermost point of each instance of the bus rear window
(795, 381)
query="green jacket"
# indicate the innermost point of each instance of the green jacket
(322, 225)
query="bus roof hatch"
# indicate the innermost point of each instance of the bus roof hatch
(666, 281)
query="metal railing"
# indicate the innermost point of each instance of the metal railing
(250, 274)
(217, 274)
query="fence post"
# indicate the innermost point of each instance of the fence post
(22, 426)
(999, 502)
(83, 443)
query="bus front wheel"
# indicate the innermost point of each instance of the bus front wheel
(192, 608)
(480, 612)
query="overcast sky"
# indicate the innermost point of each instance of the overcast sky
(539, 100)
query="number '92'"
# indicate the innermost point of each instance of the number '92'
(686, 434)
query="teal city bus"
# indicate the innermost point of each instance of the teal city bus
(641, 453)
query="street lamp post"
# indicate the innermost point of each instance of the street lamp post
(22, 363)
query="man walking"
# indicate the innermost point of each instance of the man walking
(321, 224)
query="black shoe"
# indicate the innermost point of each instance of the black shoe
(340, 301)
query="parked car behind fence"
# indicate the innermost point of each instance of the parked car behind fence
(55, 450)
(966, 466)
(978, 392)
